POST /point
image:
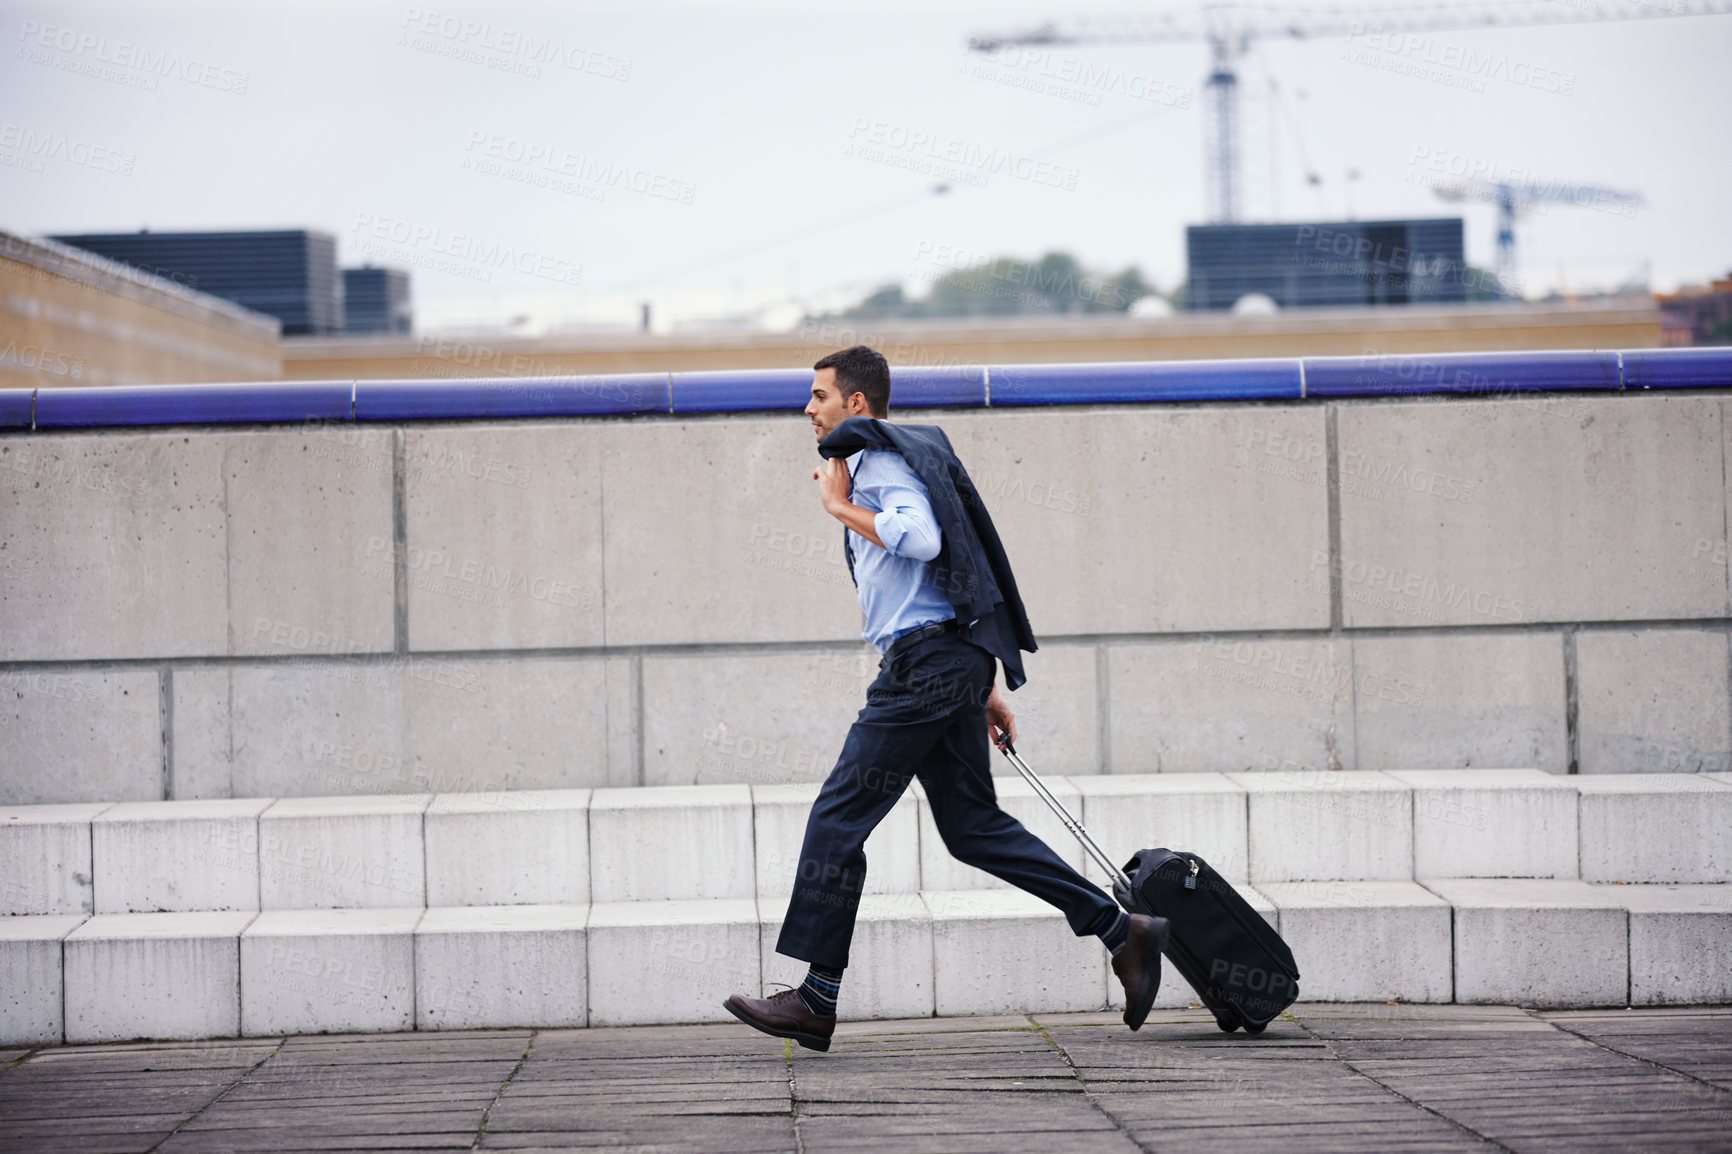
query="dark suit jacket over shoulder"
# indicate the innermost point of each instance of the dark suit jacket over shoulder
(971, 566)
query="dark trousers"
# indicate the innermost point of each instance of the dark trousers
(925, 718)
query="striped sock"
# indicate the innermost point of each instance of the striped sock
(819, 990)
(1115, 931)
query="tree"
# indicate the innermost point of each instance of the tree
(1057, 283)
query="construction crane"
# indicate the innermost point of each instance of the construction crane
(1230, 29)
(1514, 199)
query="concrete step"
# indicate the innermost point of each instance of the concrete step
(45, 858)
(175, 856)
(995, 950)
(309, 971)
(166, 975)
(508, 847)
(564, 907)
(1345, 826)
(1655, 827)
(342, 852)
(1365, 941)
(1517, 823)
(940, 871)
(32, 990)
(670, 961)
(671, 842)
(1680, 943)
(489, 967)
(1203, 812)
(779, 828)
(115, 977)
(1538, 941)
(735, 841)
(890, 965)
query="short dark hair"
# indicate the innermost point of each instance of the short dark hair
(862, 370)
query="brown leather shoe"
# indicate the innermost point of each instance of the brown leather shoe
(1138, 966)
(784, 1015)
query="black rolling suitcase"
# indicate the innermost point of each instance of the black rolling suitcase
(1234, 959)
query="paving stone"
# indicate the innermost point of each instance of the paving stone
(1352, 1077)
(1695, 1042)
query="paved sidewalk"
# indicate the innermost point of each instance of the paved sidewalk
(1325, 1078)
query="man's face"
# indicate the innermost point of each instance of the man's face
(828, 407)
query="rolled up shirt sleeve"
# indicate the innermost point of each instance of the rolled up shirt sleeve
(905, 523)
(908, 531)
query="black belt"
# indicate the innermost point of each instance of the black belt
(937, 628)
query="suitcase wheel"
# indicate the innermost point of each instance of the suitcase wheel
(1253, 1028)
(1228, 1020)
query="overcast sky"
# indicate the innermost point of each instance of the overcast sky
(564, 161)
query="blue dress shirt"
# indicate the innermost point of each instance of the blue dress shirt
(896, 588)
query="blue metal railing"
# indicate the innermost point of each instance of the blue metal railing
(778, 390)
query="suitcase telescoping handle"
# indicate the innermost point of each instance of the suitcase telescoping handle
(1121, 883)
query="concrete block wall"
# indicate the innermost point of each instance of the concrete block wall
(1368, 584)
(1409, 886)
